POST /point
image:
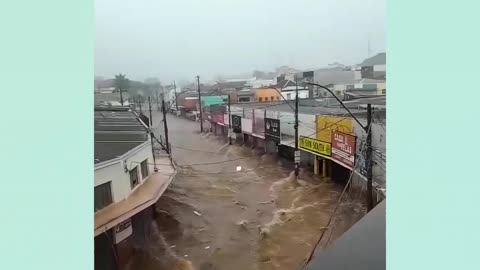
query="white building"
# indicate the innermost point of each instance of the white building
(288, 89)
(128, 181)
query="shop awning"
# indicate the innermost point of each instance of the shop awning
(144, 196)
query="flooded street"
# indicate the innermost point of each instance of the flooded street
(231, 207)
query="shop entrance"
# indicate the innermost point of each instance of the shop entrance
(339, 173)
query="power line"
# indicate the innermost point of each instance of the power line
(331, 216)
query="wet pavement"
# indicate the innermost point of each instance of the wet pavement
(231, 207)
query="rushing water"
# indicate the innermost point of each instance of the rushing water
(248, 213)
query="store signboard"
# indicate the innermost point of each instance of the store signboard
(122, 231)
(315, 146)
(343, 148)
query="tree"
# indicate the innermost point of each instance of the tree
(152, 86)
(121, 85)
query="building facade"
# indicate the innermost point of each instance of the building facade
(128, 181)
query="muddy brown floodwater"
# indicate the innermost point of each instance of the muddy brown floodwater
(257, 218)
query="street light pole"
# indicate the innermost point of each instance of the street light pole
(368, 130)
(200, 104)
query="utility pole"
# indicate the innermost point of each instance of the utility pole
(229, 122)
(200, 104)
(176, 103)
(150, 110)
(121, 96)
(167, 146)
(297, 152)
(369, 159)
(155, 169)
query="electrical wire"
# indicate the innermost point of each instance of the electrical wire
(319, 130)
(331, 216)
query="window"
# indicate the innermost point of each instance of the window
(338, 93)
(289, 96)
(144, 166)
(271, 98)
(102, 196)
(324, 94)
(134, 177)
(384, 91)
(260, 99)
(244, 99)
(370, 86)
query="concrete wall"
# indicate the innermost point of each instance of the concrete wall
(306, 127)
(114, 172)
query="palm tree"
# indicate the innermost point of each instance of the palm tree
(121, 84)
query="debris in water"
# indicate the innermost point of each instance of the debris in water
(243, 207)
(239, 168)
(243, 223)
(207, 247)
(264, 232)
(173, 246)
(197, 213)
(186, 255)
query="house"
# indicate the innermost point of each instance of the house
(375, 67)
(243, 96)
(329, 77)
(288, 89)
(360, 87)
(128, 182)
(267, 94)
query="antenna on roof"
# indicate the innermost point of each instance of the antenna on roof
(368, 48)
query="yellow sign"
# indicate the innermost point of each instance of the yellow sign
(315, 146)
(326, 124)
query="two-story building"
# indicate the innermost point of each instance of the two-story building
(128, 182)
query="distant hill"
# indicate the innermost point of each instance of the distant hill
(379, 59)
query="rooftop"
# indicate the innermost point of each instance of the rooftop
(363, 245)
(306, 106)
(116, 133)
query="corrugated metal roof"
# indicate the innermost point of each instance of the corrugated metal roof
(116, 132)
(212, 100)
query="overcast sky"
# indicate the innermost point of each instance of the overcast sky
(184, 38)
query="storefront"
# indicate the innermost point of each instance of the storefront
(272, 135)
(237, 128)
(258, 132)
(322, 152)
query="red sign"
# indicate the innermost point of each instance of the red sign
(343, 148)
(218, 118)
